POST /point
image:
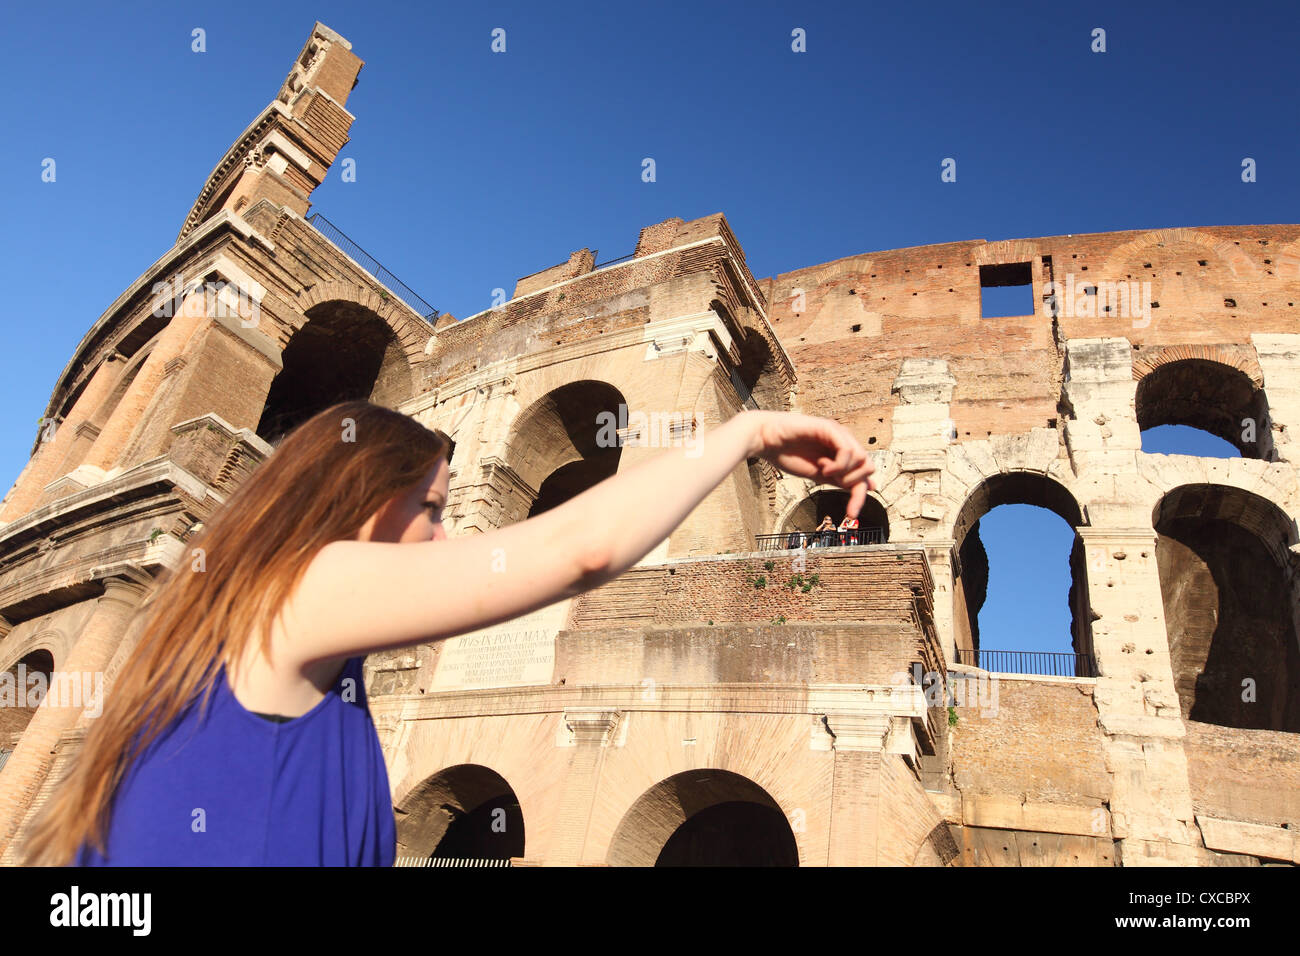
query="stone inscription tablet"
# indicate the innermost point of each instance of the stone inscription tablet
(520, 651)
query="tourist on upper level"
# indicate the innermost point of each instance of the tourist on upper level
(849, 530)
(826, 530)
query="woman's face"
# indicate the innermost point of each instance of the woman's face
(413, 515)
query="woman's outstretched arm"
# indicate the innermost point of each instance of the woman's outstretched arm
(359, 597)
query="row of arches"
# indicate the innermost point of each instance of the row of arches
(1226, 580)
(707, 817)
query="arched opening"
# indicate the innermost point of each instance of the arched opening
(1019, 581)
(21, 688)
(756, 380)
(704, 818)
(1229, 604)
(563, 444)
(809, 514)
(571, 480)
(466, 812)
(344, 352)
(1213, 399)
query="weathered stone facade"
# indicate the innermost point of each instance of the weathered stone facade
(686, 712)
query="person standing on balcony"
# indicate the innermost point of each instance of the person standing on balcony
(848, 529)
(238, 732)
(826, 532)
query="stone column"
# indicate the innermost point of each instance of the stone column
(164, 359)
(855, 790)
(1279, 359)
(48, 462)
(30, 763)
(1103, 434)
(1137, 702)
(592, 730)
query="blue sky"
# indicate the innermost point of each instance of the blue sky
(476, 168)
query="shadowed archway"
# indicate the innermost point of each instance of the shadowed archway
(704, 818)
(463, 812)
(344, 352)
(561, 445)
(1226, 581)
(1211, 397)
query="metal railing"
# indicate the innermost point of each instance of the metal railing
(611, 262)
(745, 394)
(368, 262)
(1042, 663)
(447, 861)
(819, 539)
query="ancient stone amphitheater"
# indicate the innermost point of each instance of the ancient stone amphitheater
(732, 699)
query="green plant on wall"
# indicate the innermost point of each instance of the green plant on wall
(803, 584)
(779, 619)
(952, 716)
(155, 534)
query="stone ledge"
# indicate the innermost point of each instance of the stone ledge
(1252, 839)
(1008, 813)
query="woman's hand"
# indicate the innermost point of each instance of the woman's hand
(815, 448)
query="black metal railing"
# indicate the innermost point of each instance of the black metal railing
(1043, 663)
(448, 861)
(819, 539)
(611, 262)
(743, 392)
(368, 262)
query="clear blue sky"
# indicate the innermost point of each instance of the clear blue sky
(476, 168)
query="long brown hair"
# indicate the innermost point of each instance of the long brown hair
(321, 484)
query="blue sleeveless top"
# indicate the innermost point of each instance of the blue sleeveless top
(234, 789)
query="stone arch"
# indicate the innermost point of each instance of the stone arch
(704, 817)
(17, 681)
(409, 328)
(971, 569)
(465, 811)
(345, 350)
(1218, 548)
(1209, 388)
(1202, 243)
(51, 641)
(1232, 356)
(829, 500)
(562, 444)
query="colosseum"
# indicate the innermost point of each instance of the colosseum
(738, 697)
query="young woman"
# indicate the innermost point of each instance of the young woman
(238, 732)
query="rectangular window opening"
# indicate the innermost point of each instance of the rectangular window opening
(1006, 290)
